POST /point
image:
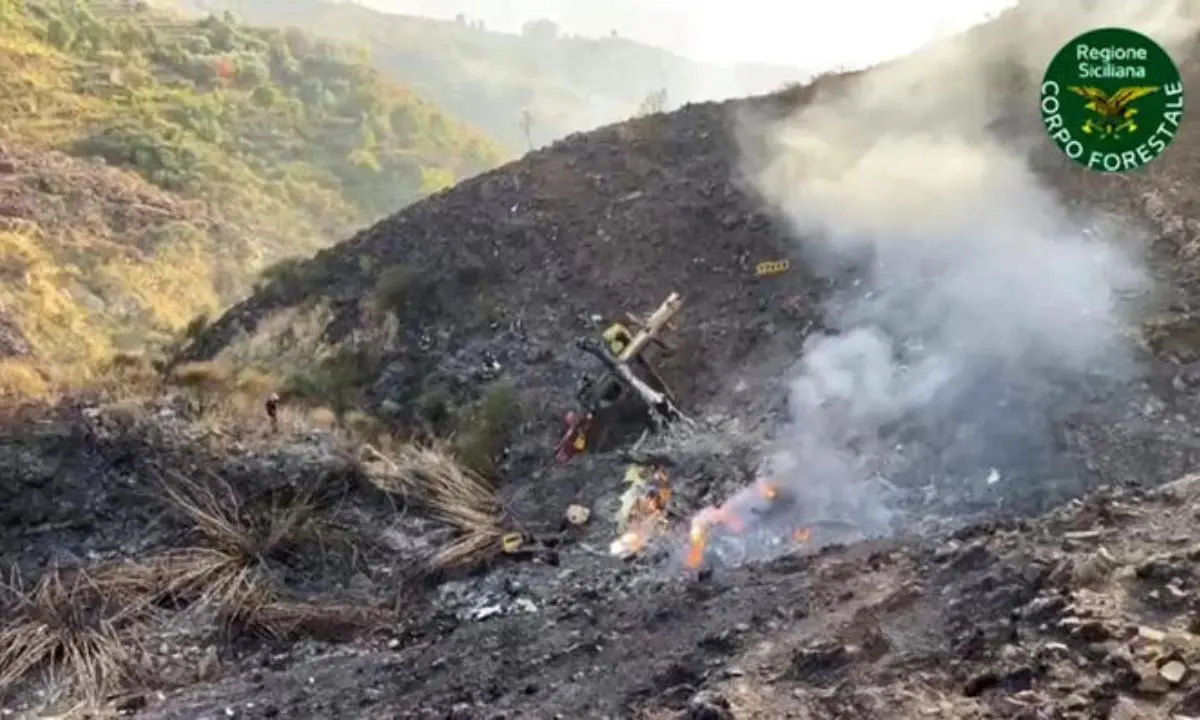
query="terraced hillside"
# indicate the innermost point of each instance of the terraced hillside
(152, 167)
(531, 88)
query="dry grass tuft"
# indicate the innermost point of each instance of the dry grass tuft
(231, 571)
(201, 577)
(227, 571)
(83, 627)
(283, 619)
(216, 510)
(385, 473)
(70, 627)
(240, 595)
(456, 496)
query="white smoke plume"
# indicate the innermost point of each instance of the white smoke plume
(975, 302)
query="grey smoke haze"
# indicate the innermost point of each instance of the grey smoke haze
(521, 86)
(979, 307)
(760, 31)
(710, 50)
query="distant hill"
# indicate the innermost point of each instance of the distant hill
(252, 145)
(490, 79)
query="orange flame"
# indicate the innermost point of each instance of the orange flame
(647, 518)
(702, 525)
(699, 542)
(727, 516)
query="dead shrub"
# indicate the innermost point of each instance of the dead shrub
(218, 514)
(224, 571)
(234, 586)
(456, 496)
(67, 626)
(231, 570)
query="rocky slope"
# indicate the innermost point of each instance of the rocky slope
(612, 221)
(1033, 558)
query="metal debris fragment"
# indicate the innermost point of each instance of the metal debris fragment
(578, 514)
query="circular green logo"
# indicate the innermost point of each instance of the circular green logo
(1112, 100)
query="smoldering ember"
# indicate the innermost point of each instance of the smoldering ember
(836, 402)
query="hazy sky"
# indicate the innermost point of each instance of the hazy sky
(807, 34)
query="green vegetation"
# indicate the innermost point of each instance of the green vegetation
(523, 90)
(205, 152)
(209, 106)
(487, 427)
(396, 287)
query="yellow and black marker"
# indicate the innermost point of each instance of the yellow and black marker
(617, 337)
(512, 542)
(772, 267)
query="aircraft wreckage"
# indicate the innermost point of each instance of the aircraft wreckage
(630, 393)
(629, 385)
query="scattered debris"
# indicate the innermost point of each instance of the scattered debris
(578, 514)
(512, 542)
(772, 267)
(1173, 671)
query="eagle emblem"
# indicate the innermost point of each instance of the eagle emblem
(1116, 117)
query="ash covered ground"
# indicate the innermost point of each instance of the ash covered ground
(975, 387)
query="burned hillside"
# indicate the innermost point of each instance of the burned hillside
(510, 265)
